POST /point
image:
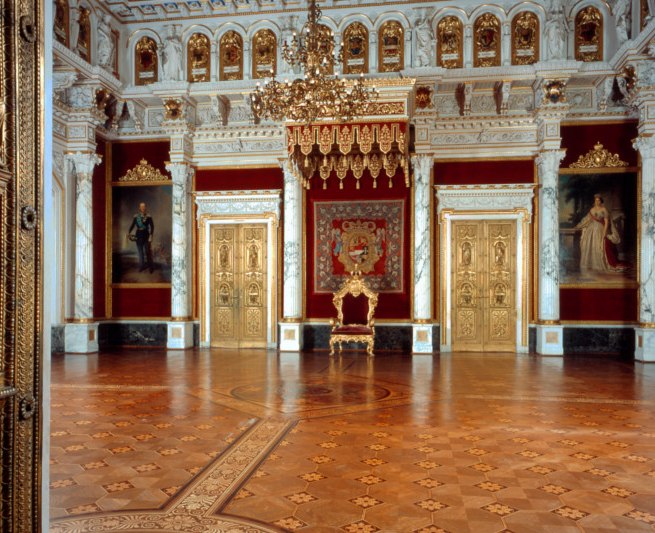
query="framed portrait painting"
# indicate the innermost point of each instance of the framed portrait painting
(141, 228)
(598, 228)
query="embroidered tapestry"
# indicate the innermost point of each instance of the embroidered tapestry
(366, 235)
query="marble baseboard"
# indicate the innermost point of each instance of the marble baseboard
(532, 339)
(599, 340)
(387, 338)
(57, 339)
(132, 334)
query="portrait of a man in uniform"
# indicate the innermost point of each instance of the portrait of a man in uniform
(145, 228)
(141, 254)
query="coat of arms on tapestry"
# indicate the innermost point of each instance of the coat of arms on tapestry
(363, 235)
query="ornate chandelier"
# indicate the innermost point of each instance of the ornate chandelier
(319, 93)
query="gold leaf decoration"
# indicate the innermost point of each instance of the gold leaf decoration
(144, 171)
(599, 157)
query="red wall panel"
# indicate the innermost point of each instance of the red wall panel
(239, 179)
(137, 302)
(99, 197)
(390, 305)
(478, 172)
(141, 302)
(599, 304)
(617, 138)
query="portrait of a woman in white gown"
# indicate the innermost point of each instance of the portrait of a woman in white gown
(598, 240)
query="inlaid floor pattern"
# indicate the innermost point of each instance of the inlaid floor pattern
(256, 441)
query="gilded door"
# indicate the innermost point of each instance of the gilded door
(238, 286)
(483, 285)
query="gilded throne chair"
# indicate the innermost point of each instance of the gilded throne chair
(355, 303)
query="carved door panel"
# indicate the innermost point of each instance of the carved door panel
(22, 229)
(238, 270)
(483, 286)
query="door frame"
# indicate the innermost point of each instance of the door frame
(471, 202)
(234, 208)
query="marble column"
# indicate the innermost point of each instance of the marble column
(549, 330)
(645, 332)
(291, 326)
(180, 328)
(81, 335)
(422, 327)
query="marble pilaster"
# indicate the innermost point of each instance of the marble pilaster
(180, 329)
(549, 330)
(645, 333)
(291, 326)
(422, 328)
(81, 336)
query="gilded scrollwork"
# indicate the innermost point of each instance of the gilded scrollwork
(264, 54)
(145, 61)
(198, 54)
(589, 34)
(486, 43)
(355, 55)
(391, 47)
(450, 42)
(144, 171)
(599, 157)
(525, 38)
(231, 47)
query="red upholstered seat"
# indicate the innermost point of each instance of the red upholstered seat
(353, 329)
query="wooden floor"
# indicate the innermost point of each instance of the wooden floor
(259, 441)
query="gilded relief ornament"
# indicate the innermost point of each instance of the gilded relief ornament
(145, 61)
(264, 46)
(599, 157)
(198, 53)
(554, 91)
(355, 39)
(423, 97)
(525, 39)
(144, 171)
(84, 35)
(589, 35)
(449, 47)
(231, 56)
(173, 109)
(391, 47)
(487, 41)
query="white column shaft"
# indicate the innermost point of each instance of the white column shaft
(646, 146)
(548, 302)
(181, 252)
(292, 307)
(422, 279)
(83, 164)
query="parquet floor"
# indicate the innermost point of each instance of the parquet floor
(259, 441)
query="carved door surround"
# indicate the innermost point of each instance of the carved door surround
(484, 264)
(237, 270)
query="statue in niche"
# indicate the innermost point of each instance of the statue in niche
(253, 256)
(224, 295)
(466, 295)
(74, 26)
(253, 294)
(224, 256)
(499, 256)
(466, 254)
(623, 19)
(423, 33)
(105, 43)
(499, 294)
(172, 55)
(555, 31)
